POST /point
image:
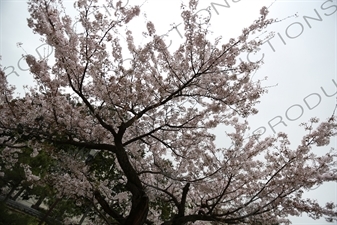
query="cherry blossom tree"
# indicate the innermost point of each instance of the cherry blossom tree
(151, 123)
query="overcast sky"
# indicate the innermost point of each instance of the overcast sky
(300, 61)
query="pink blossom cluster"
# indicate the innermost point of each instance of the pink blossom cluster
(154, 122)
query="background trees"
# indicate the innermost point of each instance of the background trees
(150, 124)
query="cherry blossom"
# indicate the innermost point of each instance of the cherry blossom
(151, 124)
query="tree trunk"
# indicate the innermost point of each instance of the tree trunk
(49, 211)
(139, 211)
(140, 200)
